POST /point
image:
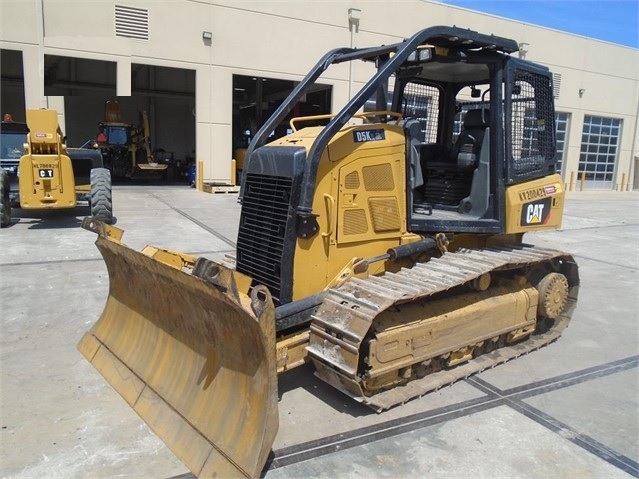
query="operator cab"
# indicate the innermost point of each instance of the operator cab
(475, 120)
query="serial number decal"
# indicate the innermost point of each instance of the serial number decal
(536, 212)
(360, 136)
(537, 193)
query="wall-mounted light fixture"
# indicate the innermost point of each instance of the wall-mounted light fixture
(354, 16)
(581, 92)
(207, 36)
(522, 49)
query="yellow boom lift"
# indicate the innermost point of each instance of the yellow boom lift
(48, 175)
(385, 246)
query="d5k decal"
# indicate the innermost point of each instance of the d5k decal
(360, 136)
(536, 212)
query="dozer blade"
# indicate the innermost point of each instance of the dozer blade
(191, 356)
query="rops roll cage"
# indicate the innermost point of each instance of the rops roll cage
(442, 36)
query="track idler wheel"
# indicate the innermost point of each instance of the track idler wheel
(553, 295)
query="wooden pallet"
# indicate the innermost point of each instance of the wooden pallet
(221, 188)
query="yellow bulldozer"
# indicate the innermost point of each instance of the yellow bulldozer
(38, 171)
(385, 246)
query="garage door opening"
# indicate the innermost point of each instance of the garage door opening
(12, 84)
(255, 99)
(167, 95)
(149, 135)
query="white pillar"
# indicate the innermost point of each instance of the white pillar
(123, 77)
(214, 117)
(33, 70)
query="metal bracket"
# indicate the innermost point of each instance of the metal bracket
(307, 225)
(216, 275)
(102, 229)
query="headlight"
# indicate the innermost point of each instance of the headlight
(420, 55)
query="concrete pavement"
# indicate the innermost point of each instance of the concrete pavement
(568, 410)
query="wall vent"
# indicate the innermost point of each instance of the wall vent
(556, 84)
(131, 22)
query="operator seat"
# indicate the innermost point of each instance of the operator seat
(453, 184)
(468, 145)
(414, 135)
(472, 150)
(413, 132)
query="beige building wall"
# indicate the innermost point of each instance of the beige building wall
(284, 38)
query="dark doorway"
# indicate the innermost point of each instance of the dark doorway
(12, 85)
(168, 97)
(158, 117)
(256, 98)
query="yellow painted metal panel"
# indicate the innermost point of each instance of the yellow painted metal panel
(535, 205)
(199, 367)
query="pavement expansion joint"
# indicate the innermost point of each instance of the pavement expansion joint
(494, 397)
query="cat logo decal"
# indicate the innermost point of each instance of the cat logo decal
(536, 212)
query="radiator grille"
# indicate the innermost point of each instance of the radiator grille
(260, 243)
